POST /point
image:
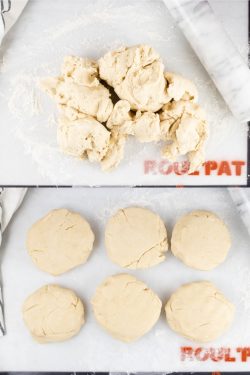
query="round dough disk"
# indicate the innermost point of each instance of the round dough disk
(136, 238)
(60, 241)
(125, 307)
(201, 240)
(53, 314)
(199, 311)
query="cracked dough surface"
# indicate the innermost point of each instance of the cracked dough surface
(125, 307)
(151, 105)
(199, 312)
(60, 241)
(83, 138)
(78, 92)
(184, 124)
(53, 314)
(136, 238)
(201, 240)
(137, 75)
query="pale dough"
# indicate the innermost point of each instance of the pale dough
(125, 307)
(137, 75)
(60, 241)
(83, 138)
(78, 92)
(152, 106)
(115, 151)
(199, 312)
(180, 88)
(136, 237)
(201, 240)
(144, 126)
(184, 124)
(53, 314)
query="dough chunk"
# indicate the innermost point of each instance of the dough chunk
(184, 124)
(136, 238)
(199, 312)
(53, 314)
(144, 126)
(60, 241)
(78, 92)
(83, 138)
(115, 152)
(201, 240)
(125, 307)
(137, 75)
(180, 88)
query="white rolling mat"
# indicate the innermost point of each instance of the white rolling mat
(35, 47)
(93, 349)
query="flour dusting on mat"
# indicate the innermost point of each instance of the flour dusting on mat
(91, 32)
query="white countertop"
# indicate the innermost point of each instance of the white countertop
(92, 349)
(34, 48)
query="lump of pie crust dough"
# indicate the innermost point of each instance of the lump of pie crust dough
(83, 138)
(201, 240)
(199, 312)
(125, 307)
(180, 88)
(135, 238)
(137, 75)
(145, 126)
(121, 116)
(184, 124)
(81, 71)
(53, 314)
(78, 91)
(115, 152)
(60, 241)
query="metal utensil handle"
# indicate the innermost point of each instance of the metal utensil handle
(2, 322)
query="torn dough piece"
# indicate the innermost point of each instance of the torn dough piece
(60, 241)
(83, 138)
(53, 314)
(115, 151)
(81, 71)
(78, 91)
(137, 75)
(125, 307)
(199, 312)
(201, 240)
(145, 126)
(180, 88)
(135, 238)
(184, 124)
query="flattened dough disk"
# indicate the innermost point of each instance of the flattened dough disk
(199, 311)
(125, 307)
(136, 238)
(60, 241)
(53, 314)
(201, 240)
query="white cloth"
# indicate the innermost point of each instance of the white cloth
(11, 16)
(10, 200)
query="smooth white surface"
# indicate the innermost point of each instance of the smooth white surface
(93, 349)
(35, 47)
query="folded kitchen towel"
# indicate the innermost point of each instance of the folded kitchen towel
(10, 200)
